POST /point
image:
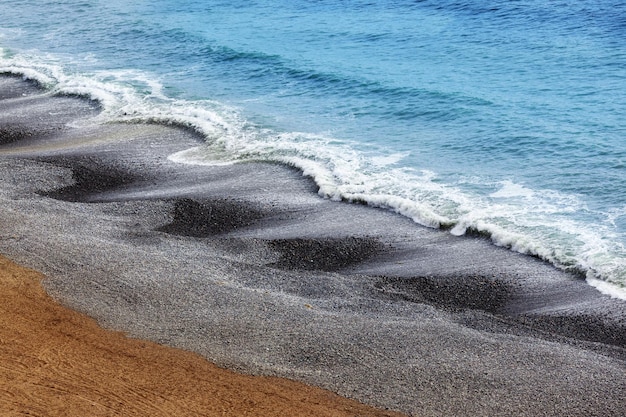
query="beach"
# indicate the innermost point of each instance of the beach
(56, 362)
(248, 267)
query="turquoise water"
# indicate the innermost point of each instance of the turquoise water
(500, 117)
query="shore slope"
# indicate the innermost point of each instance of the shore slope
(245, 265)
(56, 362)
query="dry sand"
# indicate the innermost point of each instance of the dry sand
(57, 362)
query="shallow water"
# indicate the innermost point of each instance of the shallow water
(502, 118)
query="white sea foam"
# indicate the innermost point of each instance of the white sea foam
(607, 288)
(510, 189)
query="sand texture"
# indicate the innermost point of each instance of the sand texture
(56, 362)
(246, 265)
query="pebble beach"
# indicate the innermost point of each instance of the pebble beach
(246, 266)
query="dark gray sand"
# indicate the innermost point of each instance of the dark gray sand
(248, 266)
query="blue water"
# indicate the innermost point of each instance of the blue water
(502, 117)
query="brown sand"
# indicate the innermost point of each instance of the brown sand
(57, 362)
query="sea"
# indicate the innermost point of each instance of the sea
(502, 119)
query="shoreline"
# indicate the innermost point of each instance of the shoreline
(247, 266)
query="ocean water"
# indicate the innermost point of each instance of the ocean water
(504, 118)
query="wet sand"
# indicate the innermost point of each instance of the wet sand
(247, 266)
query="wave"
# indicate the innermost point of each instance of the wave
(374, 97)
(533, 222)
